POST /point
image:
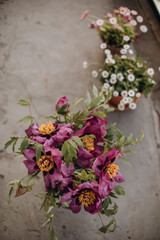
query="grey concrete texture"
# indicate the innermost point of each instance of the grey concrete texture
(43, 45)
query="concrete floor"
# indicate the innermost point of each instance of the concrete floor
(42, 47)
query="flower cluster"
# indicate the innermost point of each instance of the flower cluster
(128, 78)
(77, 157)
(118, 28)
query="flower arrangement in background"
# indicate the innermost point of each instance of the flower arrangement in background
(77, 155)
(128, 78)
(117, 28)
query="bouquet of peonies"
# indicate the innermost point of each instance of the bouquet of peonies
(117, 28)
(77, 155)
(128, 78)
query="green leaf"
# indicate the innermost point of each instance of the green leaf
(110, 109)
(107, 229)
(95, 91)
(119, 134)
(95, 103)
(74, 145)
(99, 114)
(69, 151)
(24, 145)
(10, 194)
(23, 102)
(119, 190)
(110, 132)
(75, 103)
(38, 152)
(26, 119)
(88, 99)
(13, 141)
(78, 141)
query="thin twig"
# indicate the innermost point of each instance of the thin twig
(101, 219)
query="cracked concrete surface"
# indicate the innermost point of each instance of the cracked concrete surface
(42, 47)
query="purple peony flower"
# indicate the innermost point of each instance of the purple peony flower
(107, 171)
(87, 195)
(62, 105)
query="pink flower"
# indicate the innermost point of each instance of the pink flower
(91, 25)
(109, 15)
(62, 105)
(127, 18)
(84, 15)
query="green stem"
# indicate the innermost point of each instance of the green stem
(101, 219)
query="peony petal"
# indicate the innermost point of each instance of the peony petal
(119, 178)
(67, 171)
(29, 154)
(30, 164)
(66, 197)
(75, 207)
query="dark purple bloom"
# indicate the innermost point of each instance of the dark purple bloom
(87, 195)
(107, 171)
(33, 130)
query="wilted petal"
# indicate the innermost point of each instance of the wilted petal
(75, 207)
(66, 197)
(119, 178)
(47, 181)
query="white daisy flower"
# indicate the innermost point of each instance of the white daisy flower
(113, 61)
(113, 20)
(94, 73)
(125, 100)
(124, 93)
(123, 51)
(132, 106)
(131, 77)
(134, 13)
(105, 74)
(122, 102)
(99, 22)
(106, 106)
(107, 60)
(130, 51)
(115, 93)
(126, 38)
(85, 64)
(106, 85)
(103, 45)
(133, 22)
(126, 46)
(139, 19)
(150, 71)
(120, 76)
(113, 81)
(123, 10)
(109, 56)
(153, 81)
(143, 28)
(131, 93)
(138, 94)
(130, 99)
(113, 76)
(121, 107)
(123, 56)
(107, 51)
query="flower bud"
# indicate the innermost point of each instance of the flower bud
(62, 105)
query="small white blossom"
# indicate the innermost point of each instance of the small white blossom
(120, 77)
(130, 99)
(139, 64)
(106, 106)
(123, 56)
(133, 12)
(113, 61)
(113, 76)
(143, 28)
(124, 93)
(123, 51)
(126, 38)
(107, 51)
(103, 45)
(107, 60)
(132, 106)
(106, 85)
(113, 20)
(131, 77)
(111, 88)
(131, 93)
(109, 56)
(139, 19)
(122, 102)
(153, 81)
(126, 46)
(150, 71)
(99, 22)
(105, 74)
(123, 10)
(94, 73)
(121, 107)
(133, 22)
(125, 100)
(85, 64)
(115, 93)
(113, 81)
(138, 94)
(130, 51)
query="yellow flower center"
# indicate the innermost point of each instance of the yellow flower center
(87, 197)
(46, 128)
(89, 143)
(112, 169)
(45, 163)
